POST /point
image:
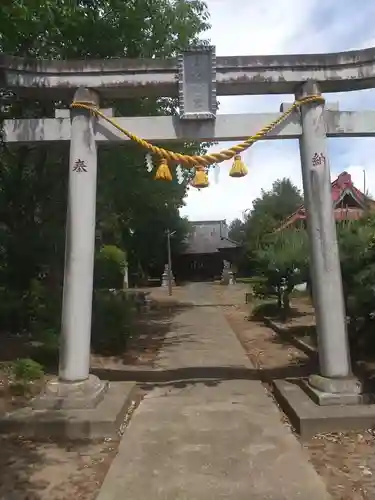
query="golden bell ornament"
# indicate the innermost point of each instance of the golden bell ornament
(200, 179)
(163, 173)
(238, 169)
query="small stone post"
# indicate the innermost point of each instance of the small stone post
(335, 379)
(74, 387)
(126, 277)
(227, 276)
(167, 277)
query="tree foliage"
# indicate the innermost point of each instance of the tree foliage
(100, 28)
(271, 208)
(357, 257)
(267, 213)
(282, 260)
(237, 230)
(110, 267)
(133, 210)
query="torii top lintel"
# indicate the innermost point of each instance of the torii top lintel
(235, 75)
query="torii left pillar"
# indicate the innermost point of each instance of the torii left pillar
(75, 388)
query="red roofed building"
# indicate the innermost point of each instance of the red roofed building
(349, 203)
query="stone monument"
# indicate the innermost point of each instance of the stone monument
(165, 277)
(227, 276)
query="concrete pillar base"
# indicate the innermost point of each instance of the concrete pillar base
(60, 395)
(335, 391)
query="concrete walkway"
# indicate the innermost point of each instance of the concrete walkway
(213, 432)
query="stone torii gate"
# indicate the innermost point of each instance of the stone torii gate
(196, 77)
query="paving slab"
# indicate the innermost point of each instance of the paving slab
(212, 433)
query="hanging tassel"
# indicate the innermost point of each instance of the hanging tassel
(238, 169)
(201, 178)
(163, 173)
(179, 174)
(149, 164)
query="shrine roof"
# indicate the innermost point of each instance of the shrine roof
(340, 188)
(208, 237)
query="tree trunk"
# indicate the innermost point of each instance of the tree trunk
(286, 301)
(279, 298)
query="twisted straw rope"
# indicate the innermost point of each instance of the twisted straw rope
(206, 159)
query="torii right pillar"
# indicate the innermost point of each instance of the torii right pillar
(335, 384)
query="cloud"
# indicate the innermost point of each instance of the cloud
(280, 27)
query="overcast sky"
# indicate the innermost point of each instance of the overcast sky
(280, 27)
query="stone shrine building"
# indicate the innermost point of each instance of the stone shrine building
(207, 247)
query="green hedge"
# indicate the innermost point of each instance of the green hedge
(110, 264)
